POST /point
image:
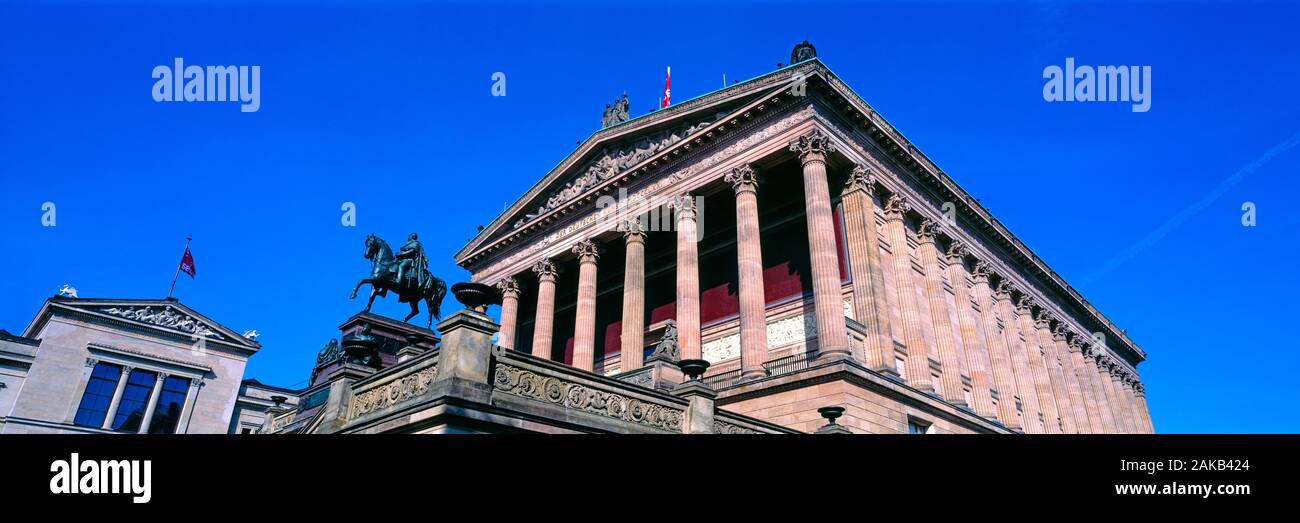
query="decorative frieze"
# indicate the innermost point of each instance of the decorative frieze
(722, 427)
(524, 383)
(394, 393)
(167, 318)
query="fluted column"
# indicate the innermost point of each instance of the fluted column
(1029, 404)
(950, 364)
(1109, 369)
(869, 305)
(977, 356)
(688, 279)
(1141, 391)
(1074, 350)
(1000, 362)
(749, 256)
(1038, 366)
(918, 355)
(544, 323)
(1078, 413)
(584, 321)
(828, 301)
(1109, 424)
(509, 289)
(1055, 372)
(633, 341)
(1131, 398)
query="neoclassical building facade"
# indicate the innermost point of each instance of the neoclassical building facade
(781, 229)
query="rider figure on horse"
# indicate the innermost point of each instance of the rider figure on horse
(411, 262)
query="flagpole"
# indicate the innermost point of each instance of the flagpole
(178, 268)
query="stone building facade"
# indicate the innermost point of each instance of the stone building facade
(106, 366)
(788, 234)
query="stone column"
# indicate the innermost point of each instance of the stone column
(1000, 362)
(584, 328)
(1029, 404)
(1141, 391)
(117, 397)
(509, 288)
(1055, 372)
(828, 300)
(152, 403)
(918, 355)
(977, 356)
(1109, 424)
(1074, 351)
(1078, 412)
(191, 397)
(749, 254)
(544, 324)
(1038, 366)
(633, 340)
(688, 279)
(1109, 369)
(1126, 386)
(951, 366)
(869, 305)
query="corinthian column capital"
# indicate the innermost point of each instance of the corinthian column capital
(586, 250)
(1025, 304)
(743, 178)
(980, 273)
(926, 230)
(1043, 319)
(1074, 344)
(1004, 290)
(633, 230)
(508, 286)
(957, 252)
(684, 207)
(1058, 332)
(896, 207)
(545, 270)
(862, 178)
(812, 147)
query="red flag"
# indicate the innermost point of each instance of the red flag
(668, 80)
(187, 262)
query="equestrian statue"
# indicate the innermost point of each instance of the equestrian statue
(405, 273)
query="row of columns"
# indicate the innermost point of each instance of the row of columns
(832, 328)
(154, 395)
(1025, 371)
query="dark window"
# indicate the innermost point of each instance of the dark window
(135, 398)
(99, 393)
(170, 401)
(918, 427)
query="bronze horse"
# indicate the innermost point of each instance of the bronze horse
(383, 278)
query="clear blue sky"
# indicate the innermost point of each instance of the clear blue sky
(389, 106)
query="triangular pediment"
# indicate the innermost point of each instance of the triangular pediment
(628, 146)
(166, 315)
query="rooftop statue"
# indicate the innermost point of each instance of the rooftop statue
(406, 273)
(615, 113)
(801, 52)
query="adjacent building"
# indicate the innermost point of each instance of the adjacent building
(128, 366)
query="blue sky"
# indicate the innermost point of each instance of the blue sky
(389, 106)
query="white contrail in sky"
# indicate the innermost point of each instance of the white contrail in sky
(1192, 210)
